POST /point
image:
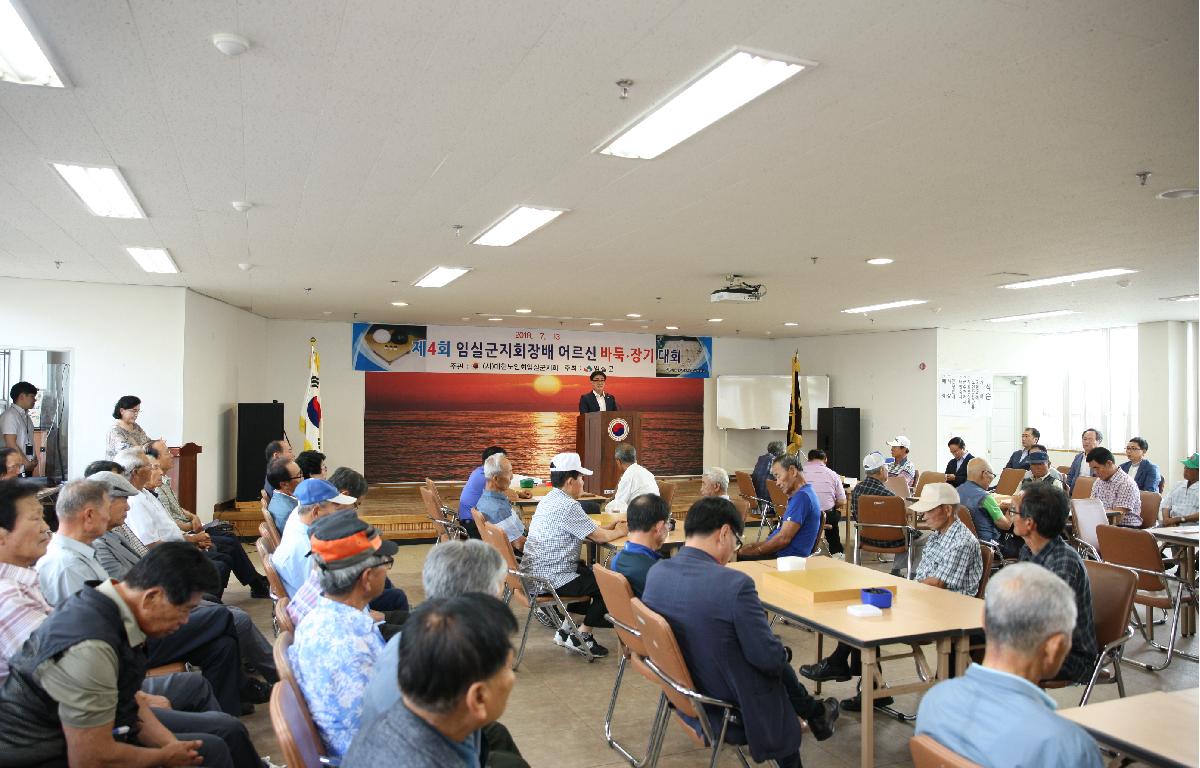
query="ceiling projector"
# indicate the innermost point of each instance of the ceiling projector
(738, 290)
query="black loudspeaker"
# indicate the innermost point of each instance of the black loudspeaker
(837, 435)
(257, 425)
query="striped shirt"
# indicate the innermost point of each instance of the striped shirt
(1120, 492)
(22, 610)
(559, 526)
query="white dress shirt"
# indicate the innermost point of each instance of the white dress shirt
(150, 521)
(600, 400)
(635, 481)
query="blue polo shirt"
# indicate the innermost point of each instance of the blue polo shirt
(634, 562)
(471, 493)
(804, 510)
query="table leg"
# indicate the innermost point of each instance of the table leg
(962, 647)
(868, 706)
(820, 655)
(1187, 571)
(943, 661)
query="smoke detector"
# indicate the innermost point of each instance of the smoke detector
(738, 290)
(230, 44)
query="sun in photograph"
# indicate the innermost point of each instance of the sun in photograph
(547, 385)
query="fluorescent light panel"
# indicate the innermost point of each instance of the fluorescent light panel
(1032, 316)
(889, 305)
(155, 260)
(520, 222)
(102, 189)
(1044, 281)
(22, 59)
(1191, 297)
(440, 277)
(735, 80)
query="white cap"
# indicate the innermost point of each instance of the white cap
(872, 462)
(568, 462)
(900, 440)
(935, 495)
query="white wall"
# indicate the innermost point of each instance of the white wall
(123, 340)
(1167, 409)
(224, 357)
(735, 449)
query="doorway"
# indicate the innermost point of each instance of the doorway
(1008, 413)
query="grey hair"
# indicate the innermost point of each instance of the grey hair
(787, 461)
(775, 447)
(459, 567)
(1025, 604)
(131, 460)
(341, 581)
(718, 476)
(491, 465)
(77, 496)
(626, 454)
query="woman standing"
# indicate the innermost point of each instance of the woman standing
(125, 433)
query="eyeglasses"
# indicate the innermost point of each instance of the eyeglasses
(737, 539)
(296, 477)
(387, 562)
(989, 472)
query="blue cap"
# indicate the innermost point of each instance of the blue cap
(314, 490)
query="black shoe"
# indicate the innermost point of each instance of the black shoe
(590, 643)
(855, 704)
(255, 691)
(545, 618)
(260, 589)
(825, 671)
(822, 727)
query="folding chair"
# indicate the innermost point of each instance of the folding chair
(779, 502)
(898, 485)
(691, 707)
(445, 527)
(273, 580)
(1083, 487)
(762, 508)
(618, 596)
(1113, 590)
(292, 722)
(666, 491)
(531, 590)
(270, 535)
(964, 515)
(985, 554)
(1086, 516)
(282, 620)
(883, 519)
(927, 477)
(927, 753)
(1010, 481)
(1151, 501)
(1137, 551)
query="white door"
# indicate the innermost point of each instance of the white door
(1008, 411)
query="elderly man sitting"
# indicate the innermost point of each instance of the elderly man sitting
(1039, 472)
(1029, 615)
(493, 501)
(990, 521)
(801, 526)
(635, 480)
(337, 645)
(647, 518)
(1115, 489)
(714, 482)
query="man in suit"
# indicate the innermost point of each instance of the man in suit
(1092, 438)
(1020, 459)
(726, 641)
(956, 468)
(597, 400)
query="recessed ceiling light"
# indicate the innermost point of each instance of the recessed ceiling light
(1190, 297)
(230, 44)
(1044, 281)
(155, 260)
(516, 224)
(22, 58)
(439, 277)
(102, 189)
(735, 80)
(595, 325)
(672, 327)
(327, 312)
(634, 315)
(524, 311)
(791, 325)
(495, 319)
(1178, 194)
(715, 319)
(399, 303)
(1032, 316)
(879, 262)
(889, 305)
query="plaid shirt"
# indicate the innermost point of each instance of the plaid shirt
(953, 557)
(1120, 491)
(868, 487)
(22, 610)
(904, 468)
(558, 527)
(1064, 563)
(305, 598)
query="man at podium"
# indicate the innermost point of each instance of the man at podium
(597, 400)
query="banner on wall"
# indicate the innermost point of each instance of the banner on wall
(964, 393)
(465, 349)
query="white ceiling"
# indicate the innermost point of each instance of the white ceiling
(962, 138)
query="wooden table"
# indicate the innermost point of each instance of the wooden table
(1185, 539)
(1154, 728)
(920, 614)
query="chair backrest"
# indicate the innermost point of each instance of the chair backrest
(667, 491)
(964, 515)
(987, 555)
(882, 510)
(1010, 480)
(663, 650)
(928, 477)
(1083, 487)
(495, 538)
(1086, 516)
(898, 484)
(617, 594)
(269, 535)
(1134, 548)
(438, 501)
(1113, 589)
(479, 519)
(743, 507)
(294, 728)
(927, 753)
(282, 619)
(276, 583)
(1151, 501)
(745, 487)
(779, 499)
(283, 665)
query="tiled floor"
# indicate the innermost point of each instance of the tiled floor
(556, 711)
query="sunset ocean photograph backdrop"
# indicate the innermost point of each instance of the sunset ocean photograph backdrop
(420, 425)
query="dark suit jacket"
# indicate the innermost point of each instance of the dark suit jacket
(762, 475)
(960, 474)
(1076, 466)
(588, 404)
(729, 648)
(1147, 475)
(1015, 462)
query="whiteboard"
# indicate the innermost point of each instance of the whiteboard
(761, 402)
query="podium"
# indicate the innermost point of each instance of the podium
(597, 436)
